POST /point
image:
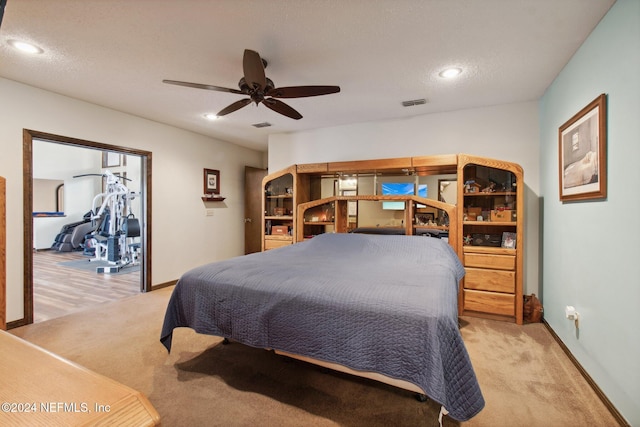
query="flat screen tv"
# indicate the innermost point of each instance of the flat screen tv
(400, 189)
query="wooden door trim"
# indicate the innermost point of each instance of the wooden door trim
(27, 181)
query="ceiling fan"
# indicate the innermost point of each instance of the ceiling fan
(261, 89)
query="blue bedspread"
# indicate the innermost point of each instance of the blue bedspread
(386, 304)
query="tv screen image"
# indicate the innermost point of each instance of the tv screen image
(400, 189)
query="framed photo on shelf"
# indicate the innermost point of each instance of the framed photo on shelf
(509, 240)
(583, 153)
(211, 181)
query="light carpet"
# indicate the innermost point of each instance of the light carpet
(525, 377)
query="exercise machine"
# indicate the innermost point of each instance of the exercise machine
(114, 241)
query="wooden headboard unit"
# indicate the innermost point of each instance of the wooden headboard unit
(485, 225)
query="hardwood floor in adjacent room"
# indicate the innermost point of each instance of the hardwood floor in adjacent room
(60, 290)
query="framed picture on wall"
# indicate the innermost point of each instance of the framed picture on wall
(583, 153)
(111, 159)
(211, 181)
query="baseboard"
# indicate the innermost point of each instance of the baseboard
(17, 323)
(617, 415)
(163, 285)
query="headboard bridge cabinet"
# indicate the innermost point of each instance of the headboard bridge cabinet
(485, 227)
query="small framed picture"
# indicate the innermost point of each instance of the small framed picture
(509, 240)
(211, 181)
(111, 159)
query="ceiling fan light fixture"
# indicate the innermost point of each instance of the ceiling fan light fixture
(449, 73)
(211, 116)
(25, 47)
(260, 90)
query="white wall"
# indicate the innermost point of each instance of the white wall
(591, 252)
(182, 236)
(507, 132)
(62, 162)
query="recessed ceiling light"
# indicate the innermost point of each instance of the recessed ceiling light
(25, 47)
(211, 116)
(450, 72)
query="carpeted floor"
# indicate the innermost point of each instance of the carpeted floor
(525, 377)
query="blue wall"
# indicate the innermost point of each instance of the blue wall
(591, 250)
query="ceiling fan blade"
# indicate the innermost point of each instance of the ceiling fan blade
(201, 86)
(254, 69)
(282, 108)
(302, 91)
(235, 106)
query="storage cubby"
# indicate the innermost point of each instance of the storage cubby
(278, 210)
(319, 219)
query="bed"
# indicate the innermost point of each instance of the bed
(373, 303)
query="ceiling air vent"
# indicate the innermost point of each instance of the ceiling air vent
(414, 102)
(261, 125)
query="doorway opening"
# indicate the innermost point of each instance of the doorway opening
(89, 177)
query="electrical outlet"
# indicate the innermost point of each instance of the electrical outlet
(570, 312)
(208, 212)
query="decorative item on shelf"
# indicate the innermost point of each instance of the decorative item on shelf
(280, 230)
(471, 186)
(491, 188)
(509, 240)
(426, 218)
(467, 239)
(503, 215)
(479, 239)
(327, 213)
(473, 212)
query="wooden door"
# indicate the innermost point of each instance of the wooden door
(253, 209)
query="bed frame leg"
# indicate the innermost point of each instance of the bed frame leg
(226, 341)
(421, 397)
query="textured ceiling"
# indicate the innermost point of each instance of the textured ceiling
(115, 53)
